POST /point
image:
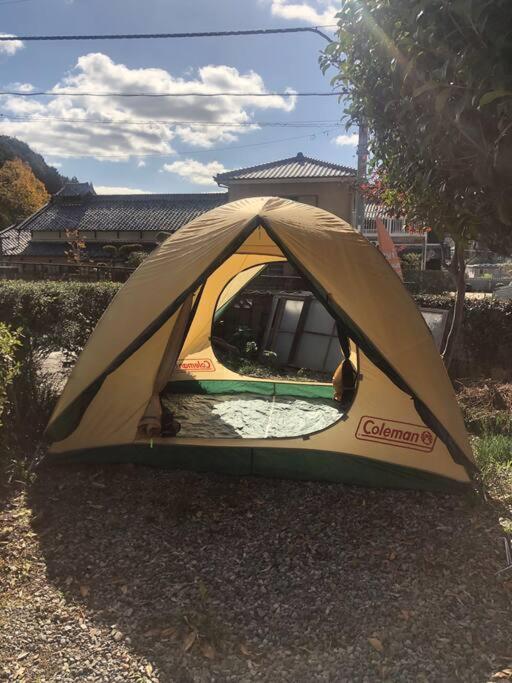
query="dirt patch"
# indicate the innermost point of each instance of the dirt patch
(134, 574)
(486, 406)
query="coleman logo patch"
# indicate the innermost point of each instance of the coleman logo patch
(394, 433)
(196, 365)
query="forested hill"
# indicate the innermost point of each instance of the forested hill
(11, 148)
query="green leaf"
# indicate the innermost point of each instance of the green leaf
(493, 95)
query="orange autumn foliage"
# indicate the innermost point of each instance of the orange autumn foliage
(21, 193)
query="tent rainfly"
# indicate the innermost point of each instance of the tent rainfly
(403, 427)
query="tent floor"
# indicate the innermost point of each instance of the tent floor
(250, 416)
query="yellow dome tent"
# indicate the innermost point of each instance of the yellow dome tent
(403, 427)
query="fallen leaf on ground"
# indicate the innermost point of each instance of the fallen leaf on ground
(376, 643)
(152, 632)
(84, 591)
(245, 650)
(208, 650)
(168, 632)
(189, 641)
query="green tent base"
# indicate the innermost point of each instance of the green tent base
(283, 463)
(262, 388)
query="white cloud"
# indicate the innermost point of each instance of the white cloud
(351, 139)
(20, 87)
(141, 163)
(115, 189)
(316, 12)
(96, 72)
(10, 47)
(196, 171)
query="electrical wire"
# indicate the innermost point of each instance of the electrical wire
(13, 2)
(7, 118)
(195, 34)
(127, 155)
(71, 93)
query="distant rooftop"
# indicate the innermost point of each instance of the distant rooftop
(297, 167)
(78, 207)
(76, 190)
(13, 241)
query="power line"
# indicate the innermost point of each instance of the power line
(6, 118)
(127, 155)
(71, 93)
(196, 34)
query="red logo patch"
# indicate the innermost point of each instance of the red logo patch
(196, 365)
(394, 433)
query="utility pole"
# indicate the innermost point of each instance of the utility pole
(362, 160)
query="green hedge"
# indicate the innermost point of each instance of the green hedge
(61, 315)
(9, 342)
(484, 347)
(54, 315)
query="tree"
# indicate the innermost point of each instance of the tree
(77, 247)
(433, 80)
(120, 253)
(12, 148)
(135, 258)
(21, 193)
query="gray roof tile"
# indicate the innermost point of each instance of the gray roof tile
(13, 241)
(151, 212)
(295, 167)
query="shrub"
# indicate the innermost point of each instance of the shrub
(428, 281)
(54, 315)
(9, 342)
(483, 347)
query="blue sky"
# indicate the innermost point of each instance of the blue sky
(129, 143)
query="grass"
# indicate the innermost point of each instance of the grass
(493, 453)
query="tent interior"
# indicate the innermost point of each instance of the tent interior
(307, 353)
(150, 366)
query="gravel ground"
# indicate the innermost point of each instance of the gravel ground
(134, 574)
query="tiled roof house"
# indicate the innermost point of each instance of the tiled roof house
(139, 218)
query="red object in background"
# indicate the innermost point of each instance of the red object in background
(387, 247)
